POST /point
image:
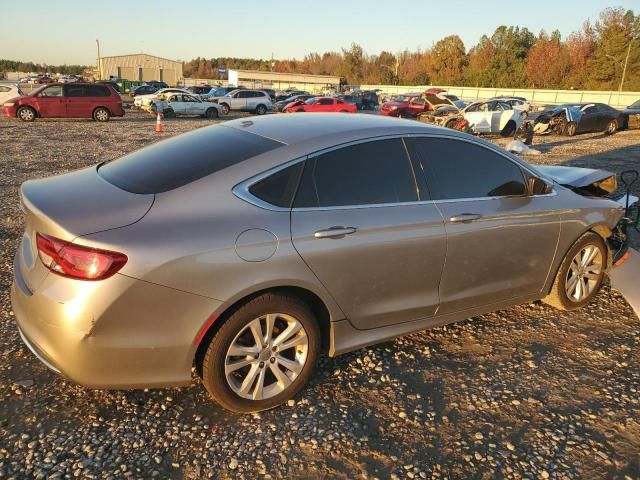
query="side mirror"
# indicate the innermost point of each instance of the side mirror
(538, 186)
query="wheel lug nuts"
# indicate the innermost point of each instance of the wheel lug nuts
(273, 359)
(261, 364)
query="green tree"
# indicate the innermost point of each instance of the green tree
(449, 60)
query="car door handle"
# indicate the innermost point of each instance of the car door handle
(465, 217)
(335, 232)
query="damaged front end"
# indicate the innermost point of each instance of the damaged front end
(625, 260)
(557, 120)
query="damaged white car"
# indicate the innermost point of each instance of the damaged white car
(480, 117)
(174, 104)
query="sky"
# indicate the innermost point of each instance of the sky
(285, 28)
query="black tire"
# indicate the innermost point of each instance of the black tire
(101, 114)
(570, 129)
(450, 123)
(225, 108)
(612, 127)
(558, 296)
(169, 113)
(509, 129)
(213, 365)
(211, 113)
(26, 114)
(261, 110)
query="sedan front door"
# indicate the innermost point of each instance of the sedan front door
(369, 233)
(501, 241)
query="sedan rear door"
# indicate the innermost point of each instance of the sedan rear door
(369, 233)
(501, 241)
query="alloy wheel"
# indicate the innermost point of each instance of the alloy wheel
(584, 273)
(266, 356)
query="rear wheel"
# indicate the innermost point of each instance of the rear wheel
(211, 113)
(580, 274)
(262, 355)
(612, 127)
(26, 114)
(101, 114)
(509, 129)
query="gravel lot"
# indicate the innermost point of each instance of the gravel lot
(527, 392)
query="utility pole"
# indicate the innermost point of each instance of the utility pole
(99, 62)
(626, 61)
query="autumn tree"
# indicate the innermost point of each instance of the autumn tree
(478, 61)
(548, 62)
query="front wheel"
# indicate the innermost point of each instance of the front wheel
(211, 113)
(101, 114)
(261, 110)
(580, 274)
(225, 108)
(26, 114)
(571, 129)
(262, 355)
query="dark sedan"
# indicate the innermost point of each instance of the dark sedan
(143, 90)
(632, 113)
(573, 118)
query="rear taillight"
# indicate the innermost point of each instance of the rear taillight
(76, 261)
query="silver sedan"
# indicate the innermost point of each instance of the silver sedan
(249, 248)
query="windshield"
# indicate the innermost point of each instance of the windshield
(37, 90)
(635, 104)
(401, 98)
(311, 101)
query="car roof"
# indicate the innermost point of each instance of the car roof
(330, 128)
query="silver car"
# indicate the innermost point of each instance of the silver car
(249, 248)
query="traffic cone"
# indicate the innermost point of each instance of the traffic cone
(159, 128)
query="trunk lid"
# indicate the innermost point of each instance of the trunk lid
(69, 206)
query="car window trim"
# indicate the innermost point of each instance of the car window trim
(241, 190)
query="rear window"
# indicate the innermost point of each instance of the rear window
(181, 160)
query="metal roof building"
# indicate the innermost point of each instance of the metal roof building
(140, 67)
(257, 79)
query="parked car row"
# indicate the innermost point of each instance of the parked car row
(506, 115)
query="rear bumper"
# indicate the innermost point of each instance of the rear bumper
(118, 333)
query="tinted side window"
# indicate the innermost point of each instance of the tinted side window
(76, 90)
(457, 169)
(280, 188)
(368, 173)
(97, 91)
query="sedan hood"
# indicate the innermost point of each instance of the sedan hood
(588, 180)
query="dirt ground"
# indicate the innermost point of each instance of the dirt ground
(527, 392)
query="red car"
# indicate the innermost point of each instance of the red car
(60, 100)
(407, 105)
(320, 104)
